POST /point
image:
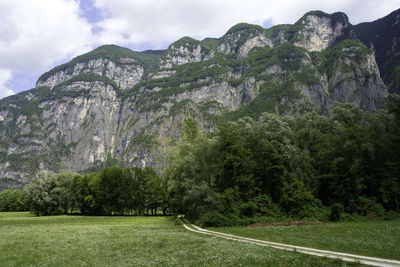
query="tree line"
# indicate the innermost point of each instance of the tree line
(113, 191)
(280, 167)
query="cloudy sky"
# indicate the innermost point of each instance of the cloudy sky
(36, 35)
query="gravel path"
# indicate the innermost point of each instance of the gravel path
(311, 251)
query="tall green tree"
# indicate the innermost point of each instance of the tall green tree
(51, 193)
(191, 173)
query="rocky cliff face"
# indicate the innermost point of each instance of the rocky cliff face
(383, 36)
(125, 72)
(116, 103)
(318, 30)
(186, 50)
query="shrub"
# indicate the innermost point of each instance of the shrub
(368, 206)
(297, 200)
(336, 211)
(213, 218)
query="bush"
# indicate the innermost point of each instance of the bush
(347, 217)
(297, 200)
(216, 219)
(336, 211)
(391, 215)
(369, 207)
(247, 209)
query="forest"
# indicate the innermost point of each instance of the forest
(274, 168)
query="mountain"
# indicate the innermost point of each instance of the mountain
(383, 36)
(116, 104)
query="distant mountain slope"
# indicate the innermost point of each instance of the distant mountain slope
(117, 103)
(383, 35)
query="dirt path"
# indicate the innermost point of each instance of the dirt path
(311, 251)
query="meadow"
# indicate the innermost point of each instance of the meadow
(26, 240)
(366, 236)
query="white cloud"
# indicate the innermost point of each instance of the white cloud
(5, 76)
(36, 34)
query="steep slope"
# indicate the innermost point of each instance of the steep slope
(116, 103)
(383, 36)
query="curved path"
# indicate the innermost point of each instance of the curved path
(311, 251)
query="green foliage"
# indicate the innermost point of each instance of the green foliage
(289, 167)
(393, 105)
(144, 140)
(369, 207)
(242, 32)
(51, 193)
(220, 176)
(390, 187)
(188, 77)
(13, 200)
(268, 100)
(393, 79)
(288, 56)
(288, 31)
(216, 219)
(156, 106)
(244, 27)
(190, 131)
(190, 173)
(191, 44)
(180, 107)
(117, 191)
(87, 77)
(210, 42)
(297, 201)
(235, 82)
(336, 212)
(331, 59)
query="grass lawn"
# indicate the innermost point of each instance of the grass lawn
(375, 238)
(26, 240)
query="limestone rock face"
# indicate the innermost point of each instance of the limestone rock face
(241, 39)
(125, 72)
(85, 123)
(113, 102)
(319, 31)
(185, 50)
(256, 41)
(362, 87)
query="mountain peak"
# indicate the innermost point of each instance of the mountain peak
(337, 17)
(240, 27)
(319, 30)
(186, 50)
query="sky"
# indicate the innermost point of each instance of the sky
(36, 36)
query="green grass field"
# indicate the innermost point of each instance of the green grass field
(375, 238)
(26, 240)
